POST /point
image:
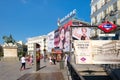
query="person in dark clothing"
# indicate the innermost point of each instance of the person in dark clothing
(54, 60)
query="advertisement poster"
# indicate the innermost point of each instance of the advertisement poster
(67, 39)
(64, 37)
(37, 56)
(97, 51)
(81, 33)
(56, 39)
(82, 52)
(50, 41)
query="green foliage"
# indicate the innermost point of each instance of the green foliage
(1, 54)
(21, 53)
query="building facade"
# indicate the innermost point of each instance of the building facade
(101, 9)
(105, 10)
(38, 39)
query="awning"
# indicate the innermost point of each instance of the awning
(57, 51)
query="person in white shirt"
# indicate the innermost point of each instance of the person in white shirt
(23, 62)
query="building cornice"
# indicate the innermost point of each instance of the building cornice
(103, 8)
(36, 37)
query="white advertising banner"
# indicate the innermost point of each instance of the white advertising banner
(81, 33)
(97, 51)
(50, 41)
(82, 51)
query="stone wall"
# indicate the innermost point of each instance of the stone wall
(10, 51)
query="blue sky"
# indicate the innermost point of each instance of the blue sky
(28, 18)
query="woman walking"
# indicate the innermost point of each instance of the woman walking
(23, 63)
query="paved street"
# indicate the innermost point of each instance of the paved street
(9, 70)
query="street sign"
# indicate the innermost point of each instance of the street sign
(107, 26)
(106, 35)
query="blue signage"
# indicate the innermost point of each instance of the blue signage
(67, 18)
(107, 26)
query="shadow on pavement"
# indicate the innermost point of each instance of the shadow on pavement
(28, 68)
(42, 67)
(97, 77)
(42, 76)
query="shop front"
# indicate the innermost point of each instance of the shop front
(58, 54)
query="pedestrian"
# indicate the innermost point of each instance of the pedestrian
(23, 63)
(54, 60)
(27, 58)
(50, 60)
(45, 56)
(31, 60)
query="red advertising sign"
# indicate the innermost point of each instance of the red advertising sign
(107, 26)
(68, 24)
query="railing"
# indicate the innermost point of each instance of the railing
(113, 70)
(74, 74)
(110, 67)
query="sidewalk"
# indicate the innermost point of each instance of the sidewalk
(9, 70)
(47, 72)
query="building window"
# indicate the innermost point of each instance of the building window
(98, 5)
(106, 1)
(98, 18)
(95, 19)
(103, 2)
(103, 15)
(96, 8)
(115, 6)
(105, 12)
